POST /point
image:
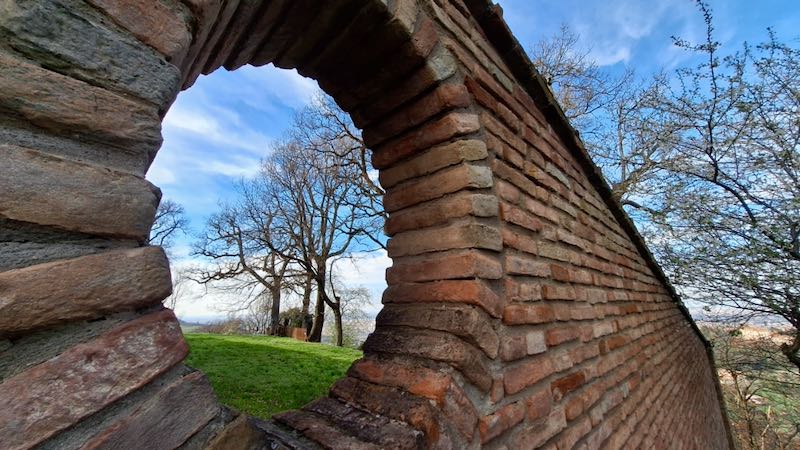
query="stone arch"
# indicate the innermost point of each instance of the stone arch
(523, 309)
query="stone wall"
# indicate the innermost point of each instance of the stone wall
(523, 309)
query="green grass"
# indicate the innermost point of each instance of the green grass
(265, 375)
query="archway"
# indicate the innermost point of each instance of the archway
(522, 310)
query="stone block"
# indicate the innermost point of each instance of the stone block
(54, 395)
(164, 421)
(67, 36)
(82, 288)
(47, 190)
(163, 25)
(68, 107)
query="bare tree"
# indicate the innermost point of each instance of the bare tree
(320, 214)
(707, 161)
(170, 220)
(324, 129)
(354, 321)
(240, 243)
(730, 200)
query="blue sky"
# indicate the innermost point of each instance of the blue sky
(217, 131)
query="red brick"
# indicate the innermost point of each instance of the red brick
(515, 215)
(416, 380)
(435, 345)
(443, 98)
(527, 373)
(522, 241)
(501, 420)
(434, 159)
(432, 133)
(472, 263)
(528, 313)
(474, 292)
(561, 334)
(539, 404)
(447, 181)
(443, 210)
(460, 235)
(521, 265)
(552, 292)
(567, 384)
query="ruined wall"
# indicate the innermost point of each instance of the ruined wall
(522, 310)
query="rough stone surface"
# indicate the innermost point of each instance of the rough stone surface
(164, 25)
(46, 190)
(163, 422)
(66, 36)
(56, 394)
(64, 106)
(82, 288)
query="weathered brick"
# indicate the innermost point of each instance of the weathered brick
(444, 97)
(323, 432)
(521, 265)
(472, 263)
(527, 313)
(90, 376)
(437, 346)
(567, 384)
(519, 240)
(362, 425)
(452, 125)
(163, 421)
(440, 211)
(86, 288)
(539, 404)
(561, 334)
(501, 420)
(416, 380)
(462, 320)
(456, 236)
(165, 26)
(436, 158)
(390, 402)
(63, 105)
(517, 216)
(457, 178)
(527, 373)
(81, 46)
(474, 292)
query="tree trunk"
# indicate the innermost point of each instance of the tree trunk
(276, 309)
(319, 320)
(337, 315)
(307, 288)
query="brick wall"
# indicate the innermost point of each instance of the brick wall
(523, 309)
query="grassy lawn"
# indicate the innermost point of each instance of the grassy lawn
(265, 375)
